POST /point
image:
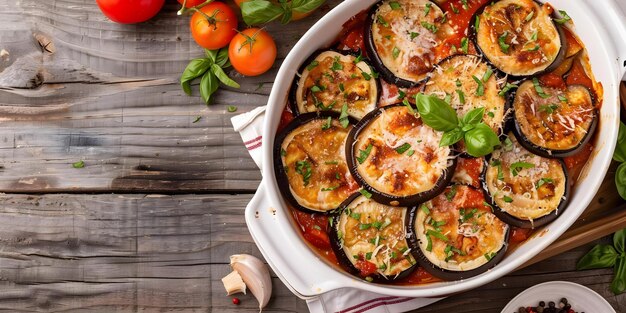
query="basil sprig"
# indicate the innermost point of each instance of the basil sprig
(620, 156)
(480, 139)
(257, 12)
(211, 71)
(603, 256)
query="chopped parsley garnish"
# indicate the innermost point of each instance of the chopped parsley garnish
(395, 52)
(403, 148)
(508, 144)
(363, 154)
(413, 35)
(519, 166)
(316, 88)
(333, 162)
(450, 194)
(364, 226)
(535, 48)
(548, 108)
(539, 89)
(425, 209)
(533, 37)
(401, 94)
(377, 224)
(327, 124)
(454, 9)
(368, 256)
(507, 199)
(304, 168)
(465, 7)
(317, 227)
(498, 165)
(330, 188)
(529, 16)
(381, 21)
(429, 246)
(461, 95)
(466, 216)
(343, 117)
(432, 28)
(365, 193)
(480, 90)
(337, 66)
(544, 181)
(342, 88)
(506, 89)
(356, 216)
(562, 98)
(490, 114)
(410, 153)
(458, 82)
(487, 74)
(436, 234)
(312, 65)
(394, 5)
(489, 256)
(427, 9)
(477, 22)
(464, 44)
(358, 58)
(564, 19)
(283, 152)
(366, 76)
(504, 47)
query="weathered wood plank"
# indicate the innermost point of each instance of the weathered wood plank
(134, 252)
(108, 94)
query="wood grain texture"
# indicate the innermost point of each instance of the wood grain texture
(78, 87)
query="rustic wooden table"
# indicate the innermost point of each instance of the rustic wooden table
(149, 222)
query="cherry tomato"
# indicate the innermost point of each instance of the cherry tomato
(191, 3)
(295, 15)
(214, 25)
(130, 11)
(366, 268)
(252, 52)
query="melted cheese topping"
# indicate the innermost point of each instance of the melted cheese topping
(560, 121)
(405, 158)
(406, 35)
(457, 232)
(373, 232)
(523, 184)
(315, 165)
(334, 79)
(531, 42)
(454, 77)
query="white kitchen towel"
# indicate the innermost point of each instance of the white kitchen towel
(347, 300)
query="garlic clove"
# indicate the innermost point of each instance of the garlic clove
(256, 276)
(233, 283)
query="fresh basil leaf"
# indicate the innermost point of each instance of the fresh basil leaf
(211, 54)
(194, 69)
(436, 113)
(219, 73)
(618, 285)
(306, 6)
(620, 149)
(620, 180)
(256, 12)
(451, 137)
(619, 241)
(208, 85)
(481, 140)
(601, 256)
(222, 58)
(474, 116)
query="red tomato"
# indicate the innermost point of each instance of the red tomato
(314, 228)
(354, 40)
(519, 234)
(552, 80)
(366, 268)
(191, 3)
(214, 25)
(130, 11)
(285, 118)
(252, 52)
(317, 238)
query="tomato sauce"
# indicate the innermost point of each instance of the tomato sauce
(314, 227)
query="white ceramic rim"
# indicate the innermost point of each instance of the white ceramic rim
(308, 275)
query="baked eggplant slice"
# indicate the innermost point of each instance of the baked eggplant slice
(554, 122)
(526, 190)
(310, 164)
(519, 37)
(455, 235)
(401, 37)
(397, 158)
(330, 80)
(469, 171)
(469, 83)
(369, 239)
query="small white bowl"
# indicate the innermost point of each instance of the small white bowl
(580, 297)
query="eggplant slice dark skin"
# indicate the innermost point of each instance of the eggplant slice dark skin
(400, 38)
(309, 163)
(397, 158)
(518, 37)
(555, 122)
(330, 79)
(525, 190)
(455, 77)
(369, 240)
(455, 235)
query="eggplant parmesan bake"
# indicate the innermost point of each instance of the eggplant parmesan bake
(434, 136)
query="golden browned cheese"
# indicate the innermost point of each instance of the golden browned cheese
(518, 36)
(523, 184)
(315, 165)
(405, 158)
(333, 80)
(374, 232)
(406, 34)
(558, 121)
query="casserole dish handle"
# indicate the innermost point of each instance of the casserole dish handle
(613, 15)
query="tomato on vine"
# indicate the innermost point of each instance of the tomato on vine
(252, 52)
(213, 25)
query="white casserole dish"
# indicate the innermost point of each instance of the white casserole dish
(601, 25)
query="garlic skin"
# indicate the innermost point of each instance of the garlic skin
(256, 276)
(233, 283)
